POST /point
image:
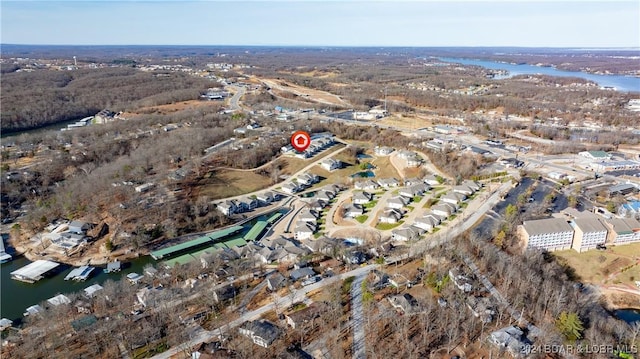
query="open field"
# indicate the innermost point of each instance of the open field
(616, 265)
(174, 107)
(408, 122)
(233, 183)
(294, 164)
(384, 169)
(306, 93)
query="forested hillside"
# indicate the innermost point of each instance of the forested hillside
(42, 97)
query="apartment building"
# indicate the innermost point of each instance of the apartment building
(549, 234)
(589, 232)
(623, 230)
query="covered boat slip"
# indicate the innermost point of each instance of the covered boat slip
(35, 271)
(194, 243)
(4, 256)
(81, 273)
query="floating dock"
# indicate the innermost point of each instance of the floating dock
(80, 274)
(194, 243)
(113, 267)
(35, 271)
(4, 257)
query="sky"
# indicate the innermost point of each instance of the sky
(542, 23)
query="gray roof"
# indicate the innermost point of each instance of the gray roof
(588, 225)
(551, 225)
(624, 225)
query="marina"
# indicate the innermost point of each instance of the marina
(4, 256)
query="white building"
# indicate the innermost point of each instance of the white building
(623, 230)
(549, 234)
(589, 232)
(330, 164)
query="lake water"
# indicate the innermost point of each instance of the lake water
(16, 296)
(628, 315)
(620, 83)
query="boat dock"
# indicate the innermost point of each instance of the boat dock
(113, 267)
(35, 271)
(80, 274)
(209, 239)
(4, 257)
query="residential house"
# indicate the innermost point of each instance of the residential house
(431, 180)
(405, 234)
(304, 230)
(462, 282)
(225, 293)
(59, 300)
(405, 303)
(510, 339)
(412, 181)
(623, 230)
(318, 205)
(382, 150)
(589, 233)
(330, 164)
(354, 257)
(265, 197)
(78, 227)
(473, 185)
(397, 202)
(388, 182)
(390, 215)
(362, 197)
(445, 210)
(307, 179)
(227, 207)
(306, 315)
(428, 222)
(324, 245)
(261, 332)
(353, 210)
(247, 204)
(549, 234)
(308, 215)
(290, 188)
(367, 185)
(414, 190)
(302, 273)
(453, 198)
(275, 281)
(463, 190)
(91, 290)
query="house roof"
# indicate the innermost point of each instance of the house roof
(302, 272)
(598, 154)
(264, 329)
(550, 225)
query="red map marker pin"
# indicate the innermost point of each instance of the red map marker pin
(300, 140)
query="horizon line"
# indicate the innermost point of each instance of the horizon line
(342, 46)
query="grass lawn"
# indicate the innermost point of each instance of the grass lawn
(417, 199)
(411, 208)
(384, 169)
(362, 218)
(232, 183)
(370, 204)
(435, 230)
(596, 266)
(387, 226)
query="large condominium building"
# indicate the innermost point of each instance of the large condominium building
(589, 232)
(623, 230)
(550, 234)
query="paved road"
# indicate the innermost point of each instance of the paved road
(200, 335)
(234, 102)
(357, 318)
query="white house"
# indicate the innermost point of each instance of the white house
(307, 179)
(261, 332)
(362, 197)
(330, 164)
(453, 198)
(405, 234)
(397, 202)
(388, 182)
(428, 222)
(390, 215)
(304, 230)
(353, 210)
(444, 210)
(227, 207)
(368, 185)
(265, 197)
(431, 180)
(382, 150)
(290, 188)
(307, 215)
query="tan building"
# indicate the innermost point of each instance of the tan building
(550, 234)
(589, 233)
(623, 231)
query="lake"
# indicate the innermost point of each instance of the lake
(619, 82)
(628, 315)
